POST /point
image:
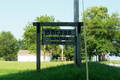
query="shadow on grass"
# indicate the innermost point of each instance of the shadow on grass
(97, 71)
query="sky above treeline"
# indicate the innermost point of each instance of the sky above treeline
(15, 14)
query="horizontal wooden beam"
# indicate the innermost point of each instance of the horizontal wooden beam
(58, 32)
(58, 43)
(57, 23)
(59, 38)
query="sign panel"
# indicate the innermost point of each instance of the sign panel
(58, 32)
(59, 38)
(58, 43)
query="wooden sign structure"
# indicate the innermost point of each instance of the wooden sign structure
(76, 40)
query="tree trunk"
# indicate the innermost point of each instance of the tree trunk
(99, 57)
(44, 57)
(103, 57)
(5, 59)
(96, 57)
(89, 57)
(44, 53)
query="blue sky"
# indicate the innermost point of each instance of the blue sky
(15, 14)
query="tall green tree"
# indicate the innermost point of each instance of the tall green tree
(69, 52)
(101, 31)
(22, 45)
(29, 36)
(8, 46)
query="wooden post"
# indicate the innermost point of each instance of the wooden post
(62, 52)
(79, 44)
(76, 19)
(38, 47)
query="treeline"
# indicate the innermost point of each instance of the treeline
(102, 29)
(8, 46)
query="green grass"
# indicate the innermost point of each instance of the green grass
(111, 62)
(57, 71)
(7, 67)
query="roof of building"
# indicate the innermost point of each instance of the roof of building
(26, 52)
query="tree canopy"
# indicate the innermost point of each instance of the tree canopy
(29, 36)
(69, 52)
(8, 46)
(22, 45)
(101, 29)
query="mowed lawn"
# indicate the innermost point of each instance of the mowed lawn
(7, 67)
(111, 62)
(10, 70)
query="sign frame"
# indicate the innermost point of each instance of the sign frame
(59, 43)
(78, 44)
(58, 38)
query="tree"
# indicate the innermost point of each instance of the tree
(101, 31)
(69, 52)
(114, 20)
(29, 36)
(22, 45)
(8, 46)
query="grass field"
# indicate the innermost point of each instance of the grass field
(56, 71)
(111, 62)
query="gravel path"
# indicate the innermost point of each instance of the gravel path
(116, 65)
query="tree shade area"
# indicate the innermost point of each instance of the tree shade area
(57, 71)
